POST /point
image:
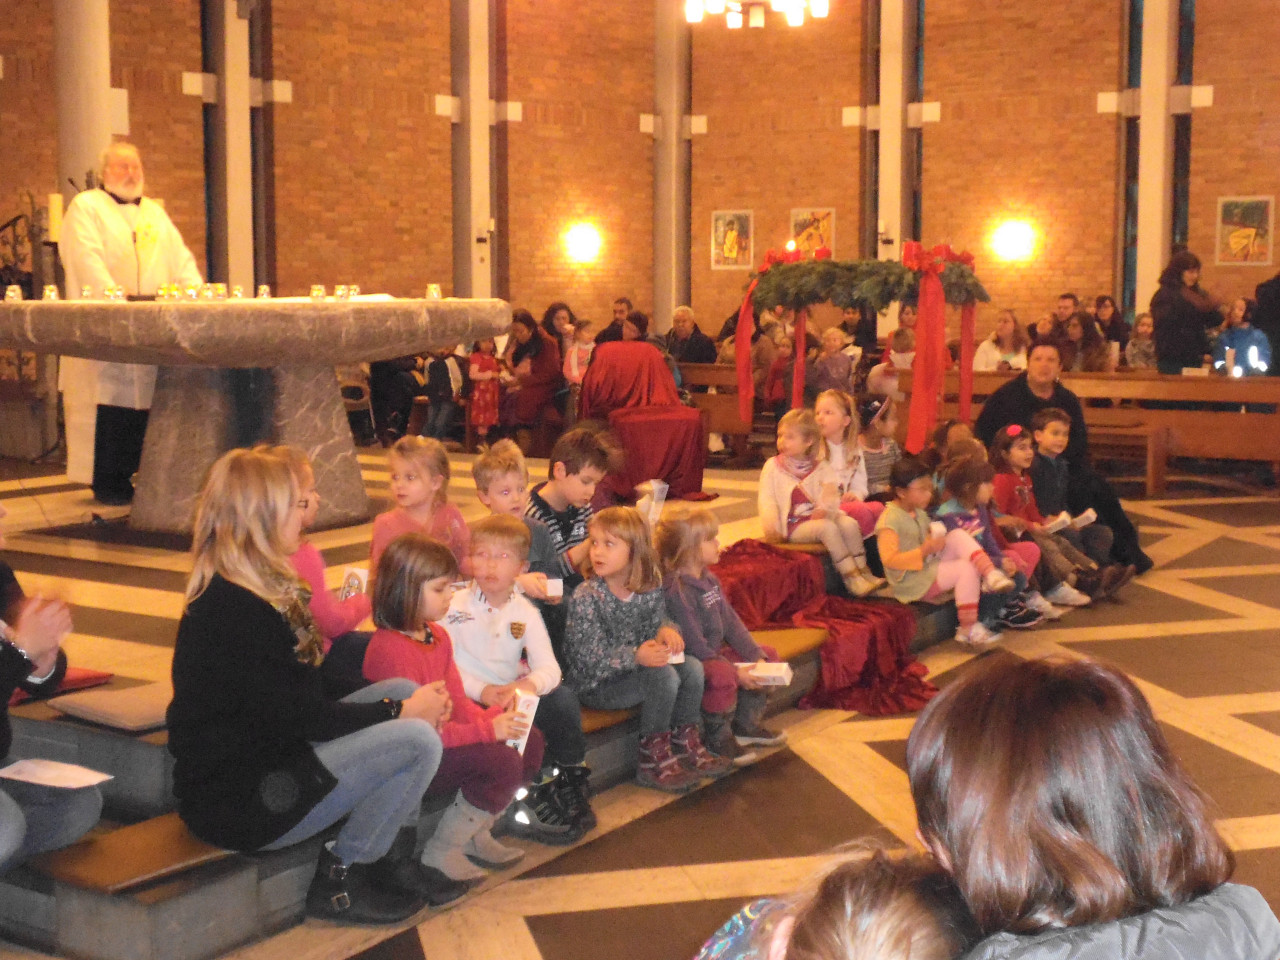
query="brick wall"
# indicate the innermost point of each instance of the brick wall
(151, 45)
(584, 74)
(1235, 144)
(772, 98)
(363, 192)
(28, 124)
(1020, 138)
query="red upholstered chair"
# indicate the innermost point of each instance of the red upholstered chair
(629, 385)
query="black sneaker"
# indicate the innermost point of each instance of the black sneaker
(1018, 616)
(536, 815)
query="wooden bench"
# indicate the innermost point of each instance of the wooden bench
(720, 408)
(1129, 425)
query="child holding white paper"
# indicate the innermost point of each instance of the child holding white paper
(502, 650)
(733, 702)
(412, 588)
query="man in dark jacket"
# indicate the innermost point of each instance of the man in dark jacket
(1036, 389)
(686, 343)
(1266, 315)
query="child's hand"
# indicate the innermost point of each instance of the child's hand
(535, 585)
(39, 629)
(933, 545)
(494, 695)
(651, 653)
(1036, 527)
(670, 638)
(429, 702)
(1008, 566)
(509, 726)
(746, 680)
(819, 514)
(1016, 525)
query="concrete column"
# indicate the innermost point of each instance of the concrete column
(472, 157)
(897, 32)
(82, 68)
(231, 150)
(672, 92)
(1155, 145)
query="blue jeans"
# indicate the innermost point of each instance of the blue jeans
(669, 696)
(440, 418)
(35, 818)
(382, 772)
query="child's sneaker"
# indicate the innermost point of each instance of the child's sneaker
(862, 586)
(1036, 601)
(1018, 616)
(686, 744)
(1065, 595)
(754, 734)
(978, 637)
(996, 582)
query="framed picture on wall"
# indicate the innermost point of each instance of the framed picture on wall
(731, 234)
(813, 227)
(1246, 228)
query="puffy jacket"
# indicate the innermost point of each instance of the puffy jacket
(1231, 923)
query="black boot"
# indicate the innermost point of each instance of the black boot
(348, 893)
(401, 871)
(573, 790)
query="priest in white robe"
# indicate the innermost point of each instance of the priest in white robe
(114, 236)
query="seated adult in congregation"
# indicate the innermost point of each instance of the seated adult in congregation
(1183, 314)
(1006, 348)
(264, 759)
(535, 363)
(1047, 790)
(34, 818)
(1037, 388)
(686, 342)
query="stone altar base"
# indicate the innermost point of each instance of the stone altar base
(201, 412)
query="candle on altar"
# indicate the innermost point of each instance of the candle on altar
(55, 217)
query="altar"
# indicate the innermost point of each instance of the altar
(243, 371)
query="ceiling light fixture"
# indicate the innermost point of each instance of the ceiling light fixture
(753, 11)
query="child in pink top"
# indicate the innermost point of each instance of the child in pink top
(420, 487)
(334, 617)
(412, 589)
(578, 355)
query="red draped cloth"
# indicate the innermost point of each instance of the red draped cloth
(625, 374)
(867, 664)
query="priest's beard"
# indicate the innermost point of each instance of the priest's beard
(126, 189)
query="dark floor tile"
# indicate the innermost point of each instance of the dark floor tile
(1225, 552)
(1267, 721)
(1138, 604)
(669, 931)
(1197, 664)
(118, 531)
(42, 491)
(1258, 589)
(352, 554)
(1262, 514)
(779, 807)
(119, 625)
(1238, 787)
(1260, 869)
(405, 945)
(97, 571)
(895, 751)
(11, 469)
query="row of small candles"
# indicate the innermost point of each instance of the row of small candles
(206, 291)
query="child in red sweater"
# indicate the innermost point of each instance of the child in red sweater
(412, 590)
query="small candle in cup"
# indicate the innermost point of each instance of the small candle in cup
(13, 292)
(219, 291)
(433, 291)
(264, 291)
(237, 292)
(50, 292)
(340, 292)
(317, 291)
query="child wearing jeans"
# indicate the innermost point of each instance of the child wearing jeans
(502, 650)
(799, 502)
(412, 591)
(922, 564)
(733, 701)
(622, 650)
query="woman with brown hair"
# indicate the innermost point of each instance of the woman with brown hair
(1084, 350)
(535, 364)
(1048, 792)
(1183, 314)
(1006, 348)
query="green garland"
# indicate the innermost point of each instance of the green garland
(855, 283)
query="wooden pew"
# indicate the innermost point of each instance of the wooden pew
(1233, 433)
(720, 409)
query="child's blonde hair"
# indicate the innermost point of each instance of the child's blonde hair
(242, 508)
(409, 561)
(298, 462)
(497, 461)
(504, 530)
(846, 404)
(680, 534)
(882, 906)
(428, 455)
(627, 525)
(804, 423)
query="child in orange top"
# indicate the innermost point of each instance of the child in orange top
(420, 488)
(412, 590)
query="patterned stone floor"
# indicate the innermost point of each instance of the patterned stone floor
(1200, 634)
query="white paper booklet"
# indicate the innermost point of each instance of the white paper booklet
(52, 773)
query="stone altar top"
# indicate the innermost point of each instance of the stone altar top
(246, 332)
